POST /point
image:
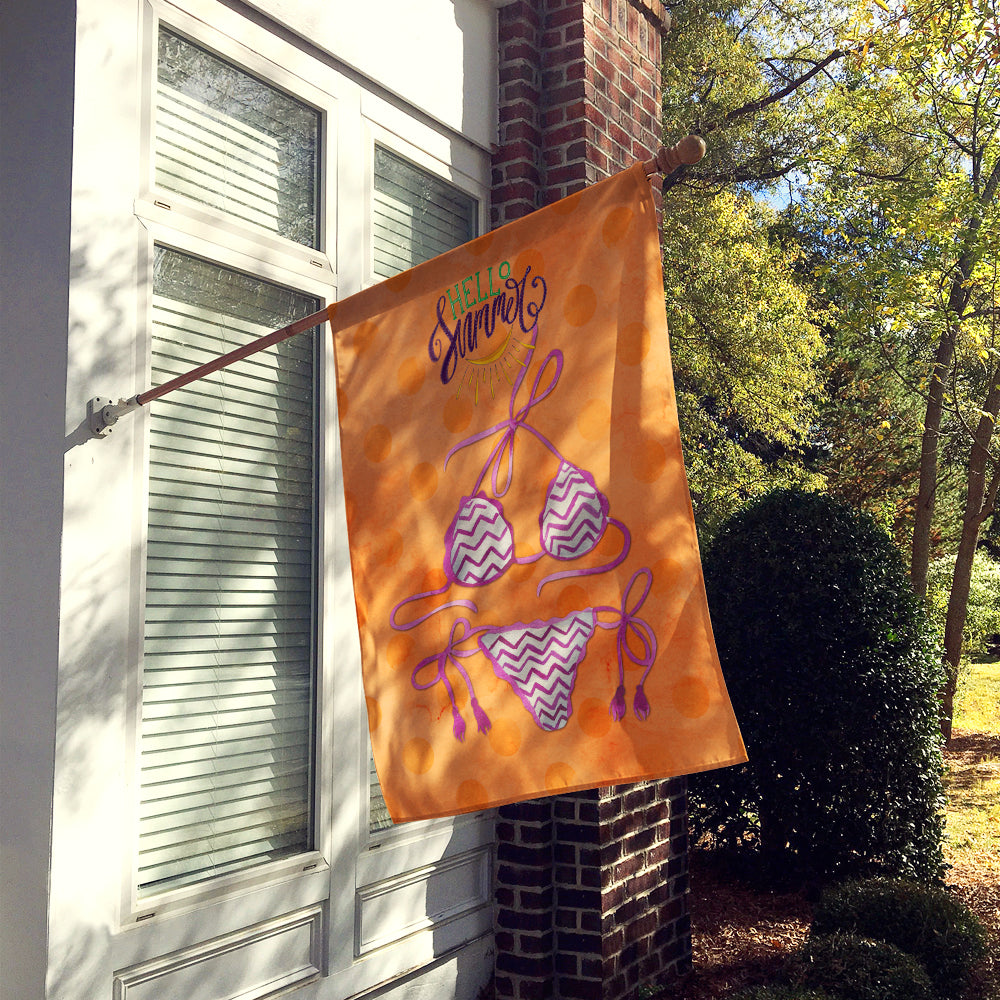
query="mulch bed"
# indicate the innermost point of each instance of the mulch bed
(742, 934)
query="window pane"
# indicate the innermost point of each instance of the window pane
(228, 679)
(416, 217)
(228, 140)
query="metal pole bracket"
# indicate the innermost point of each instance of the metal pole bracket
(103, 413)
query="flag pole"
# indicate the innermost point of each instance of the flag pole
(103, 413)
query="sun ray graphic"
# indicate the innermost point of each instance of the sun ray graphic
(489, 371)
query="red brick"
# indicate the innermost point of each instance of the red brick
(518, 49)
(562, 53)
(521, 130)
(518, 91)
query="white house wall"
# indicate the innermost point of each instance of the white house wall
(73, 293)
(429, 52)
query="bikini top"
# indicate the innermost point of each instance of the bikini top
(479, 542)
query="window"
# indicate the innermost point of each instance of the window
(229, 647)
(228, 680)
(227, 140)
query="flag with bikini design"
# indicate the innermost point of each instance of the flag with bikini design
(527, 581)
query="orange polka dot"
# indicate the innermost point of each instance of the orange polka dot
(649, 461)
(471, 795)
(389, 547)
(616, 225)
(505, 737)
(434, 579)
(364, 334)
(572, 598)
(410, 376)
(690, 696)
(378, 443)
(479, 246)
(423, 481)
(633, 343)
(667, 576)
(559, 776)
(611, 543)
(522, 572)
(457, 414)
(567, 205)
(525, 259)
(374, 714)
(581, 302)
(595, 717)
(418, 756)
(398, 650)
(594, 420)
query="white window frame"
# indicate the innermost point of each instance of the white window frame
(177, 223)
(349, 871)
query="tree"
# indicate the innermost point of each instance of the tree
(914, 187)
(746, 355)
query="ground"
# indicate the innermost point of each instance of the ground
(742, 935)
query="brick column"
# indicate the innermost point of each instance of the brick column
(591, 888)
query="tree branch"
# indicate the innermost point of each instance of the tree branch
(753, 107)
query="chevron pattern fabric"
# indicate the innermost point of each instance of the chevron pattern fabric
(575, 514)
(479, 544)
(539, 662)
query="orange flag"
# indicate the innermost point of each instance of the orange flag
(528, 587)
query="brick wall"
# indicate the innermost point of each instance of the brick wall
(579, 96)
(591, 888)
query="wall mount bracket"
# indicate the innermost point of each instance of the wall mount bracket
(103, 413)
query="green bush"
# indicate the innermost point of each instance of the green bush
(833, 673)
(925, 922)
(856, 968)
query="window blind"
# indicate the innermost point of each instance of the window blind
(228, 140)
(226, 759)
(415, 216)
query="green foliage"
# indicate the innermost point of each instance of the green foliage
(983, 617)
(833, 673)
(926, 922)
(739, 73)
(746, 354)
(857, 968)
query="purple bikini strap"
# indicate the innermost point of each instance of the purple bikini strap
(627, 620)
(593, 571)
(514, 421)
(450, 655)
(461, 603)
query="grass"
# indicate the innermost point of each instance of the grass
(977, 701)
(973, 784)
(973, 810)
